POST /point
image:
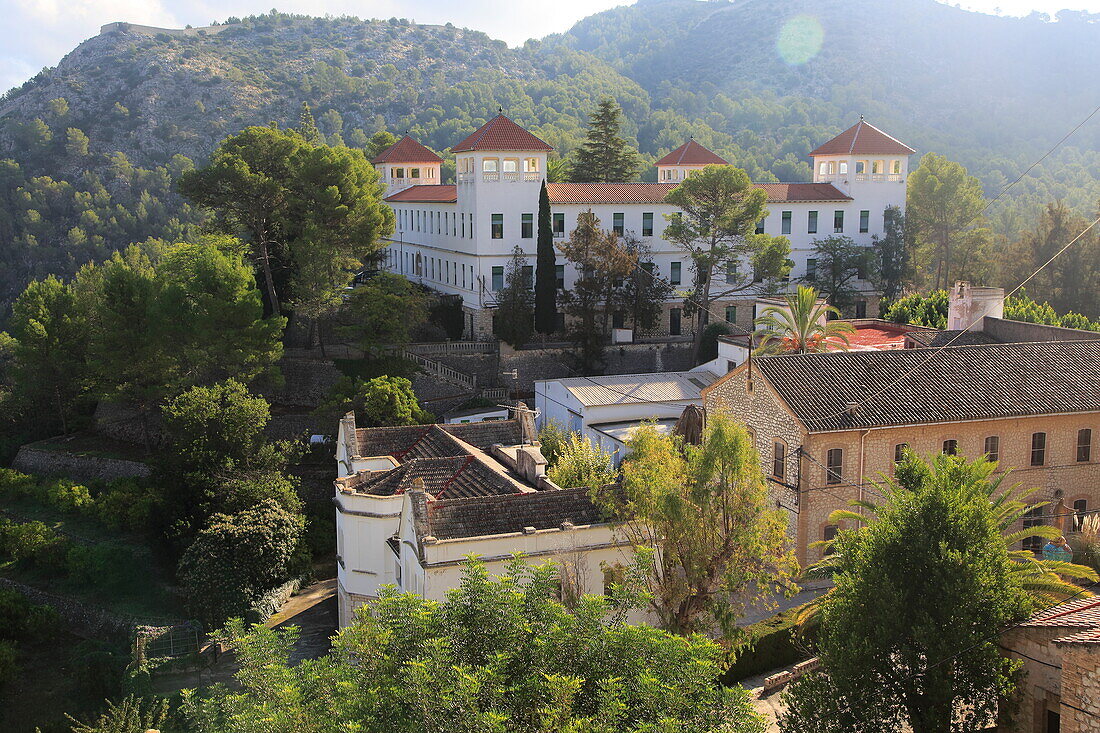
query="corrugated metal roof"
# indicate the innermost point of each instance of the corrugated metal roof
(626, 389)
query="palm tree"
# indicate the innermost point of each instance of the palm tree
(802, 327)
(1044, 580)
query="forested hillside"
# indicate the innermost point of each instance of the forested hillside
(89, 149)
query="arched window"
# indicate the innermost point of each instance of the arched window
(993, 448)
(861, 166)
(895, 167)
(530, 165)
(490, 165)
(822, 168)
(832, 167)
(511, 165)
(951, 447)
(876, 167)
(843, 167)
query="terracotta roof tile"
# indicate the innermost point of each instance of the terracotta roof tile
(444, 193)
(692, 153)
(795, 192)
(503, 514)
(449, 477)
(407, 150)
(1082, 613)
(654, 193)
(436, 441)
(955, 383)
(863, 138)
(500, 133)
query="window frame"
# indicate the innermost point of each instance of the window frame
(838, 221)
(647, 223)
(950, 447)
(834, 471)
(811, 222)
(526, 226)
(864, 221)
(1086, 445)
(993, 441)
(1039, 448)
(497, 275)
(496, 226)
(779, 459)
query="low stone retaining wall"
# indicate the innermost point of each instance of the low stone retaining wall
(45, 462)
(269, 603)
(780, 679)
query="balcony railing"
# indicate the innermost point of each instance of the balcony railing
(511, 175)
(487, 176)
(878, 177)
(466, 177)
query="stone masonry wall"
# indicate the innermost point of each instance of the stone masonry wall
(1081, 688)
(77, 467)
(557, 363)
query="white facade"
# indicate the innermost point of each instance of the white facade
(459, 239)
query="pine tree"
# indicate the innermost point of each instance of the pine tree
(307, 127)
(546, 278)
(605, 157)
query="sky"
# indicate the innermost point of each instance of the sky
(38, 33)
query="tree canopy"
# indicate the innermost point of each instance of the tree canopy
(605, 156)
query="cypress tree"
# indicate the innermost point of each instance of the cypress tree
(605, 157)
(546, 278)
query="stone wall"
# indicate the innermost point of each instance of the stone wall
(557, 362)
(82, 468)
(124, 423)
(1081, 688)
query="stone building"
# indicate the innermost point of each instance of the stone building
(1060, 652)
(827, 425)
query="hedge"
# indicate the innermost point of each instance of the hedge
(773, 643)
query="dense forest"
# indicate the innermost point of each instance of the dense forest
(90, 149)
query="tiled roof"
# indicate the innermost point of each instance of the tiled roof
(626, 389)
(608, 193)
(490, 515)
(932, 386)
(942, 338)
(436, 441)
(692, 153)
(500, 133)
(863, 138)
(407, 150)
(1080, 613)
(794, 192)
(444, 193)
(654, 193)
(451, 478)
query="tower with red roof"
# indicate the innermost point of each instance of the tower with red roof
(407, 163)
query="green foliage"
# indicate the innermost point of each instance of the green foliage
(32, 543)
(920, 310)
(237, 558)
(127, 505)
(546, 278)
(68, 496)
(930, 309)
(9, 664)
(604, 156)
(515, 313)
(801, 326)
(705, 539)
(499, 654)
(383, 312)
(708, 349)
(770, 644)
(553, 438)
(893, 268)
(22, 620)
(840, 263)
(131, 715)
(391, 401)
(579, 463)
(643, 293)
(107, 567)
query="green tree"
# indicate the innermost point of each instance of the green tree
(552, 439)
(944, 217)
(132, 715)
(379, 141)
(307, 125)
(892, 266)
(643, 292)
(605, 156)
(546, 275)
(577, 462)
(237, 559)
(920, 309)
(383, 312)
(802, 326)
(499, 654)
(908, 636)
(601, 261)
(49, 354)
(76, 143)
(719, 209)
(390, 401)
(706, 541)
(514, 322)
(840, 263)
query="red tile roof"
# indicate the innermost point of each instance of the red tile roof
(407, 150)
(500, 133)
(795, 192)
(608, 193)
(692, 153)
(446, 193)
(1081, 613)
(863, 138)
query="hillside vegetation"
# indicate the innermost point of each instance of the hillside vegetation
(89, 150)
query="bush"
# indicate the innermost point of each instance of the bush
(126, 506)
(98, 670)
(22, 620)
(32, 543)
(15, 484)
(9, 667)
(105, 566)
(773, 643)
(68, 496)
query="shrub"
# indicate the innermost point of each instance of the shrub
(126, 506)
(32, 542)
(16, 484)
(105, 566)
(773, 643)
(98, 670)
(69, 496)
(20, 619)
(9, 667)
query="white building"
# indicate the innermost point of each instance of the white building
(458, 238)
(607, 409)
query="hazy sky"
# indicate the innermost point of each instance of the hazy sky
(37, 33)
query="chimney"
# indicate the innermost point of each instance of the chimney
(968, 305)
(852, 408)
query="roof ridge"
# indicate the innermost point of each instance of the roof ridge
(855, 135)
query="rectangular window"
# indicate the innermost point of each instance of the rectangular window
(497, 231)
(675, 274)
(498, 278)
(559, 225)
(463, 225)
(731, 313)
(993, 448)
(899, 451)
(951, 447)
(526, 226)
(861, 309)
(559, 276)
(529, 276)
(647, 224)
(838, 222)
(1038, 449)
(1080, 509)
(1084, 445)
(811, 269)
(732, 275)
(785, 226)
(864, 222)
(618, 224)
(834, 466)
(760, 225)
(1033, 518)
(779, 459)
(674, 317)
(398, 172)
(811, 223)
(828, 535)
(414, 173)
